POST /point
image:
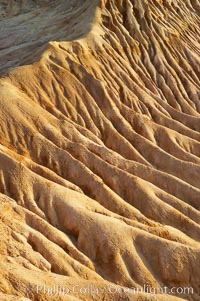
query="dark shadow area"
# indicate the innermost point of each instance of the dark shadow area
(27, 26)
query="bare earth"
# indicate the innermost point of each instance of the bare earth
(99, 149)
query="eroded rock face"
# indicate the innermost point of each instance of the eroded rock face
(99, 150)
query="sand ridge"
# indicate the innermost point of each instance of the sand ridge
(100, 148)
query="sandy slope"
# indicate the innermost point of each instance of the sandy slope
(99, 148)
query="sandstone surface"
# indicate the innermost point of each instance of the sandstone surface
(99, 149)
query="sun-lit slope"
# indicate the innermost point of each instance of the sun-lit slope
(100, 149)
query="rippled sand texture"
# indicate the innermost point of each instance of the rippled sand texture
(99, 148)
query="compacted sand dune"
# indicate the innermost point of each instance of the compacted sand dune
(100, 150)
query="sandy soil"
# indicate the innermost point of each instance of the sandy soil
(99, 150)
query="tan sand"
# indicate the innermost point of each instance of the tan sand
(99, 150)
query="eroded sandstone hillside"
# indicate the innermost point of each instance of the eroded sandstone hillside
(99, 150)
